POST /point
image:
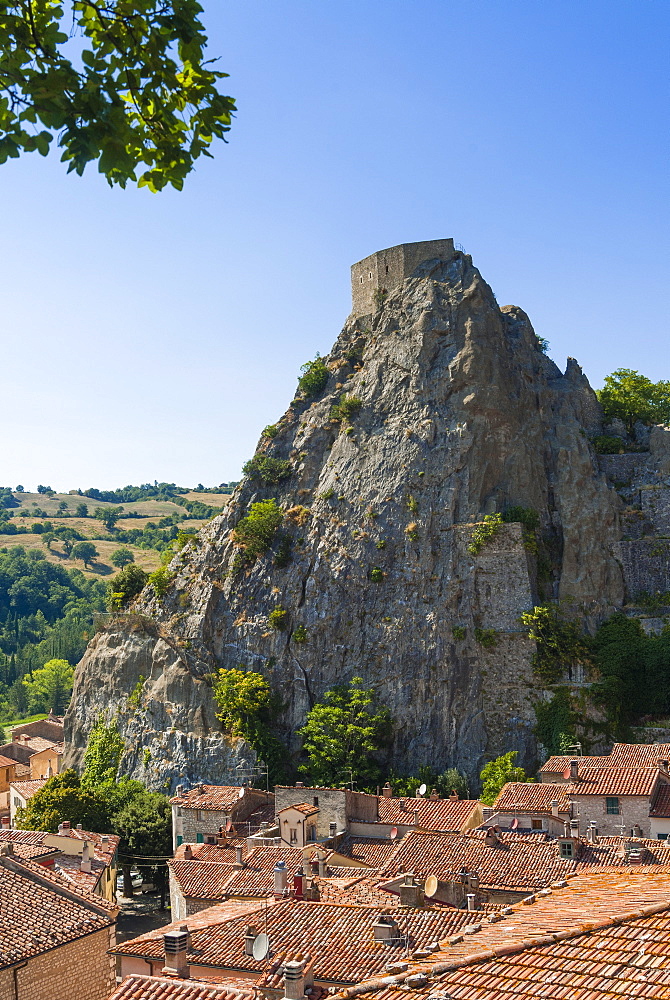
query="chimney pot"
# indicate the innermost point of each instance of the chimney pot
(471, 901)
(280, 878)
(385, 929)
(333, 829)
(294, 980)
(554, 808)
(249, 938)
(86, 857)
(66, 824)
(574, 769)
(387, 791)
(175, 944)
(299, 784)
(188, 852)
(239, 863)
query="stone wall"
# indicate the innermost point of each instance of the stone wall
(646, 565)
(634, 810)
(387, 269)
(81, 969)
(655, 503)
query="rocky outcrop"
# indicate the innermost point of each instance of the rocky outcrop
(461, 415)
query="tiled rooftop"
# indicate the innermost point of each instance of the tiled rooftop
(598, 938)
(431, 814)
(36, 916)
(531, 797)
(559, 765)
(217, 797)
(661, 803)
(149, 988)
(7, 762)
(306, 808)
(202, 879)
(370, 851)
(223, 853)
(28, 788)
(614, 781)
(340, 937)
(256, 878)
(69, 865)
(356, 890)
(631, 754)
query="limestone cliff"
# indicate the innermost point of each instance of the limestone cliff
(461, 414)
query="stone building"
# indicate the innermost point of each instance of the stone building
(203, 813)
(381, 272)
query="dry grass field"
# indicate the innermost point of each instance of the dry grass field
(146, 559)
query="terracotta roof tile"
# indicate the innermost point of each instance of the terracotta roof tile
(213, 852)
(150, 988)
(36, 916)
(558, 765)
(202, 879)
(631, 754)
(431, 814)
(615, 781)
(28, 788)
(661, 804)
(7, 762)
(306, 808)
(340, 937)
(69, 865)
(371, 851)
(218, 797)
(257, 878)
(531, 797)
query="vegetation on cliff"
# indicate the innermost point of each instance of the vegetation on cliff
(630, 396)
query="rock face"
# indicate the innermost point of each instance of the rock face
(461, 415)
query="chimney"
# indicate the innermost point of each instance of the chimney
(387, 791)
(79, 826)
(299, 784)
(453, 796)
(385, 929)
(66, 825)
(297, 885)
(471, 901)
(411, 893)
(179, 790)
(86, 857)
(6, 848)
(249, 938)
(434, 795)
(280, 878)
(637, 830)
(104, 839)
(491, 838)
(5, 822)
(574, 828)
(295, 980)
(663, 764)
(333, 829)
(574, 770)
(554, 808)
(321, 861)
(175, 944)
(592, 832)
(188, 852)
(239, 863)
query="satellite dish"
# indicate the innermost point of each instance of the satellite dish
(394, 832)
(430, 887)
(422, 788)
(261, 947)
(515, 823)
(240, 794)
(229, 825)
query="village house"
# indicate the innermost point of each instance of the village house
(51, 728)
(205, 813)
(82, 859)
(54, 937)
(20, 794)
(46, 762)
(617, 800)
(530, 806)
(7, 775)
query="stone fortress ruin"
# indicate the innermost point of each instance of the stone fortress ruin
(385, 270)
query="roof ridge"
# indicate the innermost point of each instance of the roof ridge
(36, 873)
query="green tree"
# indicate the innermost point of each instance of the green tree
(141, 97)
(248, 708)
(631, 396)
(445, 783)
(121, 558)
(256, 532)
(497, 773)
(63, 798)
(50, 687)
(560, 640)
(102, 755)
(126, 585)
(47, 539)
(314, 377)
(345, 735)
(108, 516)
(82, 510)
(86, 551)
(145, 827)
(62, 506)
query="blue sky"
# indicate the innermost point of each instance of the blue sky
(153, 336)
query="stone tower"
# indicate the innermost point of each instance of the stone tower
(386, 269)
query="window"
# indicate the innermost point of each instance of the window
(180, 839)
(536, 824)
(199, 815)
(567, 849)
(210, 840)
(311, 833)
(661, 836)
(199, 838)
(294, 836)
(612, 806)
(316, 800)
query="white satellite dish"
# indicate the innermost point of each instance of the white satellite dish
(394, 832)
(240, 794)
(261, 947)
(430, 888)
(229, 825)
(422, 788)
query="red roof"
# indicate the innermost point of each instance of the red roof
(218, 797)
(431, 814)
(615, 781)
(628, 754)
(156, 988)
(535, 797)
(661, 804)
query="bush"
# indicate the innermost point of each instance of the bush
(522, 515)
(631, 397)
(486, 637)
(377, 575)
(606, 444)
(560, 641)
(346, 408)
(267, 469)
(271, 431)
(256, 532)
(459, 632)
(300, 634)
(160, 580)
(126, 585)
(314, 377)
(278, 618)
(484, 532)
(497, 773)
